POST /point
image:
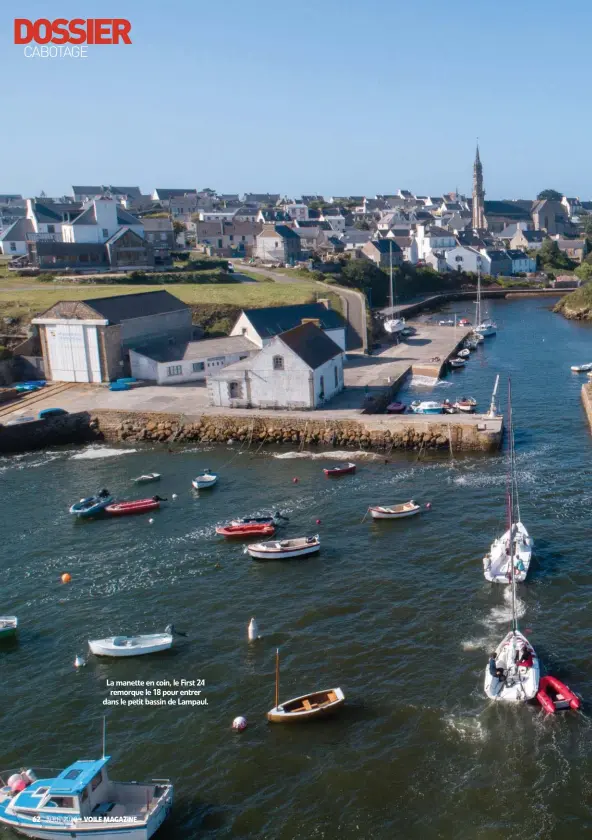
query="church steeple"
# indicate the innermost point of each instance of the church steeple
(478, 193)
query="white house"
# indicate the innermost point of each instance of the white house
(433, 238)
(261, 325)
(99, 222)
(299, 369)
(463, 258)
(13, 241)
(189, 361)
(297, 212)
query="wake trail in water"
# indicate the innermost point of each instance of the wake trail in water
(95, 452)
(332, 454)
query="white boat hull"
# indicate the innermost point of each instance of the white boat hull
(121, 646)
(485, 329)
(282, 555)
(380, 513)
(496, 564)
(203, 484)
(581, 368)
(521, 683)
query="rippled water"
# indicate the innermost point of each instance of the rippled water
(396, 613)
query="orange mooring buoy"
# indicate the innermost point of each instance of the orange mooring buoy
(66, 577)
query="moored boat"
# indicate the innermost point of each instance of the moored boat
(205, 480)
(147, 478)
(139, 645)
(92, 504)
(246, 530)
(457, 363)
(317, 704)
(396, 408)
(135, 506)
(464, 353)
(466, 405)
(582, 368)
(340, 469)
(8, 627)
(449, 408)
(426, 407)
(275, 519)
(513, 671)
(409, 508)
(284, 549)
(81, 801)
(555, 696)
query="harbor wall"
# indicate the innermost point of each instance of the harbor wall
(53, 431)
(381, 433)
(587, 401)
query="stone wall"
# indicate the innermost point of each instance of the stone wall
(383, 435)
(54, 431)
(587, 400)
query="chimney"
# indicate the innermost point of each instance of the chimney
(326, 302)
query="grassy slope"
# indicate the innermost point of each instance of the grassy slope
(26, 304)
(577, 303)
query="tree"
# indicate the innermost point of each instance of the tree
(550, 195)
(584, 272)
(178, 227)
(362, 224)
(364, 275)
(551, 257)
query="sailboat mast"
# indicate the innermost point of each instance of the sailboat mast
(478, 308)
(511, 505)
(277, 677)
(392, 293)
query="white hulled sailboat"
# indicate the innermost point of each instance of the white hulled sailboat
(484, 327)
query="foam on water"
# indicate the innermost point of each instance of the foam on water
(426, 382)
(503, 614)
(331, 455)
(482, 643)
(466, 728)
(95, 451)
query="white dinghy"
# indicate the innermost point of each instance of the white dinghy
(118, 646)
(582, 368)
(409, 508)
(513, 673)
(284, 549)
(205, 480)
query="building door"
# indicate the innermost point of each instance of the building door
(73, 353)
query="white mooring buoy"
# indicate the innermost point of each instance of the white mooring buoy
(79, 661)
(253, 630)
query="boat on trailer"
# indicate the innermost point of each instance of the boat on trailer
(284, 549)
(317, 704)
(81, 801)
(409, 508)
(8, 627)
(340, 469)
(555, 696)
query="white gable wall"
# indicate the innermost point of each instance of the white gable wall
(244, 327)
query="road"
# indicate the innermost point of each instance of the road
(354, 304)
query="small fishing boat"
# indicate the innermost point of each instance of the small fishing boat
(135, 506)
(464, 354)
(8, 627)
(92, 505)
(582, 368)
(205, 480)
(426, 407)
(466, 405)
(81, 801)
(246, 530)
(120, 646)
(555, 696)
(478, 338)
(457, 363)
(284, 549)
(396, 408)
(317, 704)
(409, 508)
(147, 478)
(471, 344)
(513, 672)
(340, 469)
(449, 408)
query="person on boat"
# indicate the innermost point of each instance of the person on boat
(519, 566)
(525, 658)
(494, 670)
(103, 493)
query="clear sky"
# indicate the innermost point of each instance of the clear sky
(311, 96)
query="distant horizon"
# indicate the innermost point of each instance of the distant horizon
(324, 98)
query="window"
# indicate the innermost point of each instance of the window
(459, 259)
(234, 390)
(61, 802)
(105, 232)
(163, 237)
(96, 780)
(231, 237)
(13, 246)
(243, 356)
(197, 366)
(278, 362)
(244, 331)
(51, 228)
(174, 370)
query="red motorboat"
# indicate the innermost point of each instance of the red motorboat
(555, 696)
(396, 408)
(137, 506)
(246, 530)
(340, 469)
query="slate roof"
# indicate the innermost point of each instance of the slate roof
(384, 246)
(17, 231)
(533, 235)
(138, 305)
(506, 208)
(165, 193)
(438, 231)
(133, 192)
(163, 351)
(516, 254)
(88, 217)
(273, 320)
(286, 232)
(157, 224)
(45, 214)
(311, 344)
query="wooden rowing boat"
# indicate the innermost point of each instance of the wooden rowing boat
(409, 508)
(284, 549)
(340, 469)
(317, 704)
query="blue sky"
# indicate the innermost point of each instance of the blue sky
(312, 96)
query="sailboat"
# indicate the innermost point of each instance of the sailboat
(393, 325)
(511, 553)
(482, 327)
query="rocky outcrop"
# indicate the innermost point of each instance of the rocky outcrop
(577, 305)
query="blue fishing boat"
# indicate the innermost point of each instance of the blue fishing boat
(81, 801)
(426, 407)
(92, 505)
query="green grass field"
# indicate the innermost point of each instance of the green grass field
(28, 302)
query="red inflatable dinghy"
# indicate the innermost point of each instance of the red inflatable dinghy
(246, 529)
(555, 696)
(127, 508)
